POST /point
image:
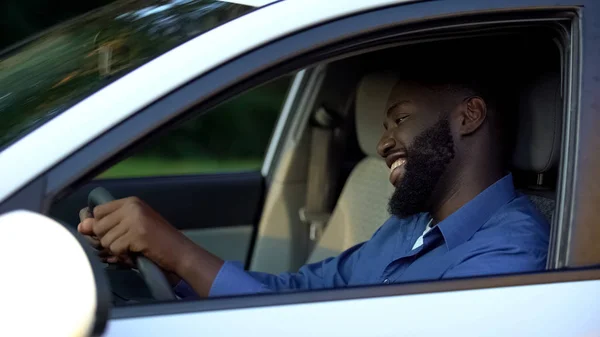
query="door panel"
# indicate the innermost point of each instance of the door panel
(187, 202)
(200, 204)
(228, 243)
(568, 310)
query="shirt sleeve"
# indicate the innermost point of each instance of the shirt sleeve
(232, 279)
(333, 272)
(184, 291)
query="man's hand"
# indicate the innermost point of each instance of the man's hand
(103, 253)
(128, 226)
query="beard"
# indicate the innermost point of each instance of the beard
(427, 160)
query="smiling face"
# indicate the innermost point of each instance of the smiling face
(417, 145)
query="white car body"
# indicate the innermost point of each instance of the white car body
(483, 312)
(562, 307)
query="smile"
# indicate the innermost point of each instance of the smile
(396, 170)
(397, 163)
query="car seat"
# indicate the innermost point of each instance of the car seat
(362, 205)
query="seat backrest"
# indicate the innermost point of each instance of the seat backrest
(362, 205)
(538, 142)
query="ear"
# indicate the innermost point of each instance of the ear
(472, 116)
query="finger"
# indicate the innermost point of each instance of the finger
(104, 210)
(104, 225)
(126, 259)
(86, 227)
(114, 234)
(120, 260)
(123, 260)
(120, 246)
(84, 213)
(93, 241)
(112, 259)
(104, 253)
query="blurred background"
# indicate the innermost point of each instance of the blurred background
(20, 19)
(233, 137)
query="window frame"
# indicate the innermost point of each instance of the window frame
(282, 56)
(356, 293)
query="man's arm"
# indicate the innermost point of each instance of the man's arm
(233, 280)
(332, 272)
(130, 226)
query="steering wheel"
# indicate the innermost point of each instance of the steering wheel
(152, 275)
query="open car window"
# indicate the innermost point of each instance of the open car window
(363, 212)
(50, 73)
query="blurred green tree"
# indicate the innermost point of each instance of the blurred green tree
(55, 70)
(20, 19)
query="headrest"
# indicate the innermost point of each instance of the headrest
(539, 119)
(537, 145)
(371, 99)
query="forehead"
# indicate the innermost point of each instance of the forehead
(408, 92)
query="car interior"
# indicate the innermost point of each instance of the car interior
(361, 205)
(329, 188)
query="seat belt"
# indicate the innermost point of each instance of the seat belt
(321, 178)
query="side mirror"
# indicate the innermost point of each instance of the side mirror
(51, 284)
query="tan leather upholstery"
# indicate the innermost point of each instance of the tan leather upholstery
(362, 206)
(360, 210)
(282, 236)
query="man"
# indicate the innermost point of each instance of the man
(455, 212)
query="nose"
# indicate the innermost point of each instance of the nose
(386, 144)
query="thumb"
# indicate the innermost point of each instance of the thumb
(86, 227)
(84, 213)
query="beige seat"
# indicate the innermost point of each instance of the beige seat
(362, 206)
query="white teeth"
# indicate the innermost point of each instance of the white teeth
(397, 164)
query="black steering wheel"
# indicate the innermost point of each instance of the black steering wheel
(151, 274)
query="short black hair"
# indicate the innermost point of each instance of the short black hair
(464, 77)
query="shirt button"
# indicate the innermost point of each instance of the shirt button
(386, 281)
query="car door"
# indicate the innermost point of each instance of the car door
(507, 305)
(470, 307)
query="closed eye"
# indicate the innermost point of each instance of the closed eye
(397, 121)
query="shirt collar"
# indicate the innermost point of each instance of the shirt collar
(461, 225)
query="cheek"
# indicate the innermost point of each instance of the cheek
(402, 137)
(406, 134)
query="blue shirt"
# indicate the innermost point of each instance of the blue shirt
(499, 231)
